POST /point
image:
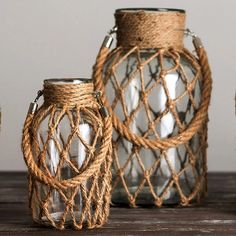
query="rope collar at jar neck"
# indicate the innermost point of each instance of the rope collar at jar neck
(150, 28)
(69, 93)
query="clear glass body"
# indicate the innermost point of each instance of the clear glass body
(75, 153)
(133, 160)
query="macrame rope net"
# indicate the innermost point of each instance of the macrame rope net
(91, 180)
(198, 124)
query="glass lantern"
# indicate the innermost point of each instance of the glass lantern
(69, 186)
(153, 86)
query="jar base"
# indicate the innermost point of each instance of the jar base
(146, 198)
(56, 217)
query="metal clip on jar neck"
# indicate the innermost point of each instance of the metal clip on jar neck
(34, 105)
(109, 38)
(197, 42)
(103, 110)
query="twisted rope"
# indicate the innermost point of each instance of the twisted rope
(150, 29)
(182, 137)
(69, 183)
(68, 94)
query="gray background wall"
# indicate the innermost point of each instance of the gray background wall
(60, 38)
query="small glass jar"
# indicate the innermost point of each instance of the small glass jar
(67, 139)
(76, 154)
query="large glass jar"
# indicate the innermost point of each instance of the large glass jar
(155, 92)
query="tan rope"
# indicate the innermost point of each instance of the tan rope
(150, 29)
(182, 137)
(96, 168)
(73, 94)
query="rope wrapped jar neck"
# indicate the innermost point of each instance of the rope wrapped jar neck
(59, 92)
(69, 94)
(150, 28)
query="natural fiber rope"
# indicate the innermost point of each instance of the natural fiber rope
(69, 94)
(81, 97)
(150, 29)
(186, 134)
(69, 183)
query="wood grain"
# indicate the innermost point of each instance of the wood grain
(216, 216)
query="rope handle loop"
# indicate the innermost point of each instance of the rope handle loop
(92, 167)
(200, 117)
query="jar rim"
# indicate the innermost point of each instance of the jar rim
(150, 10)
(67, 80)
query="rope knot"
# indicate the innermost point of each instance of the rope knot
(158, 202)
(143, 95)
(171, 104)
(190, 87)
(132, 201)
(69, 203)
(146, 173)
(151, 126)
(175, 177)
(120, 172)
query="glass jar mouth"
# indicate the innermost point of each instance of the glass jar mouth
(67, 81)
(150, 10)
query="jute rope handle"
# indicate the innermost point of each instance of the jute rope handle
(196, 123)
(75, 181)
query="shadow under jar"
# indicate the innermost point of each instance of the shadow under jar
(153, 85)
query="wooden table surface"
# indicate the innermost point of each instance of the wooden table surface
(216, 216)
